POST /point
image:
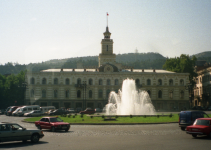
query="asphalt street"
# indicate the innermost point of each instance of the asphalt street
(112, 137)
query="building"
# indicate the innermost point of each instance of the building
(91, 87)
(202, 87)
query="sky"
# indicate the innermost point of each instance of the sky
(33, 31)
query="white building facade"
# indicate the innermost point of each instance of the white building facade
(91, 87)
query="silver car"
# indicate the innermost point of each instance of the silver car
(15, 132)
(34, 113)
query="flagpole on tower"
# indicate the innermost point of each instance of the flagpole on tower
(107, 19)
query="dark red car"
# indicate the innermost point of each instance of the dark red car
(201, 126)
(87, 111)
(52, 123)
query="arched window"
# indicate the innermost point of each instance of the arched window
(148, 82)
(159, 94)
(78, 94)
(67, 81)
(55, 93)
(137, 81)
(116, 82)
(100, 82)
(55, 81)
(67, 93)
(90, 82)
(78, 81)
(108, 82)
(171, 94)
(149, 93)
(182, 94)
(43, 93)
(159, 82)
(107, 93)
(44, 81)
(32, 93)
(100, 93)
(32, 81)
(107, 47)
(181, 82)
(90, 93)
(170, 82)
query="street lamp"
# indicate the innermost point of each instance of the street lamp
(83, 86)
(23, 86)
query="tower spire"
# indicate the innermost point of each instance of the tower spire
(107, 19)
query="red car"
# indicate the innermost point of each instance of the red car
(52, 123)
(201, 126)
(87, 111)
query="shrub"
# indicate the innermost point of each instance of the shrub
(82, 115)
(73, 116)
(69, 116)
(116, 116)
(91, 116)
(131, 116)
(103, 116)
(158, 116)
(170, 115)
(145, 116)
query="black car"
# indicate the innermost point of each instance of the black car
(71, 110)
(58, 112)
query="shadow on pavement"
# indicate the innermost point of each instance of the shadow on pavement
(20, 144)
(202, 138)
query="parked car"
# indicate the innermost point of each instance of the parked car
(78, 109)
(34, 113)
(8, 108)
(11, 110)
(197, 108)
(26, 109)
(202, 126)
(15, 132)
(48, 112)
(87, 111)
(2, 111)
(58, 112)
(187, 118)
(52, 123)
(46, 108)
(14, 113)
(71, 110)
(98, 110)
(209, 108)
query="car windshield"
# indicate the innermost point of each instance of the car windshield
(55, 120)
(202, 122)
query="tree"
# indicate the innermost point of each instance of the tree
(182, 64)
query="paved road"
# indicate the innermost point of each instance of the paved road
(112, 137)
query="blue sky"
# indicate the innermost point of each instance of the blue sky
(39, 30)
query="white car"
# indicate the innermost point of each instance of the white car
(15, 132)
(34, 113)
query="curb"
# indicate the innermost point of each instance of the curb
(114, 123)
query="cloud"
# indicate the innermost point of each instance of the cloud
(33, 19)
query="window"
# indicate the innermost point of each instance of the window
(55, 93)
(43, 93)
(107, 93)
(107, 47)
(137, 81)
(44, 81)
(171, 94)
(67, 94)
(159, 82)
(32, 81)
(90, 93)
(32, 93)
(148, 82)
(149, 93)
(29, 108)
(181, 82)
(67, 81)
(182, 94)
(78, 94)
(116, 82)
(90, 82)
(100, 93)
(78, 81)
(108, 82)
(159, 94)
(55, 81)
(170, 82)
(116, 91)
(100, 82)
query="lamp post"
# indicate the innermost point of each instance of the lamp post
(83, 86)
(23, 86)
(189, 87)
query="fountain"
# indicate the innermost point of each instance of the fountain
(129, 101)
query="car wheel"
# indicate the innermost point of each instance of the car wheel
(38, 127)
(53, 129)
(194, 135)
(183, 128)
(35, 138)
(67, 129)
(24, 141)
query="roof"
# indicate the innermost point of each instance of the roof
(7, 123)
(204, 118)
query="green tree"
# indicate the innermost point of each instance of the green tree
(182, 64)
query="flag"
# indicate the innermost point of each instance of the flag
(107, 14)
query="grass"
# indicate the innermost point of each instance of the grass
(88, 119)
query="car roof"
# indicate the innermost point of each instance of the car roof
(203, 118)
(7, 123)
(191, 111)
